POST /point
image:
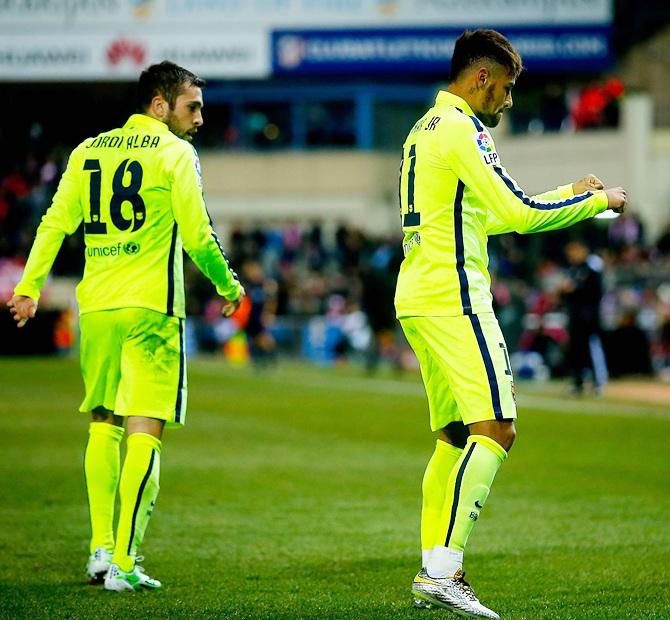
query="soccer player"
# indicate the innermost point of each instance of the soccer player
(138, 191)
(454, 192)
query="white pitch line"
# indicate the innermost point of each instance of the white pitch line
(373, 385)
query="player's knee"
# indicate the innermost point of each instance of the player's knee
(501, 431)
(456, 433)
(100, 414)
(507, 436)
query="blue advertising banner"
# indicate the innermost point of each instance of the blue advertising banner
(428, 50)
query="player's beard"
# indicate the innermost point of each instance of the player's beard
(173, 125)
(490, 119)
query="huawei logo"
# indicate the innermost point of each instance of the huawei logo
(122, 49)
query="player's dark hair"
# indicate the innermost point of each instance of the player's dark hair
(477, 45)
(166, 79)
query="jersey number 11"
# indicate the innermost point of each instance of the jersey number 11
(411, 217)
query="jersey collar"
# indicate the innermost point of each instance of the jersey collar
(444, 97)
(146, 122)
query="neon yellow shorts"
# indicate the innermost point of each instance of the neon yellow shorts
(133, 363)
(464, 366)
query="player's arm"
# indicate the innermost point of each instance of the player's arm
(495, 226)
(197, 234)
(62, 218)
(511, 209)
(588, 183)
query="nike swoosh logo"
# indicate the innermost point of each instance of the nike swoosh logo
(424, 580)
(478, 504)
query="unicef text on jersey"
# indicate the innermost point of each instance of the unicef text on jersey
(118, 249)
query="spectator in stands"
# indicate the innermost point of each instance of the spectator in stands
(663, 242)
(598, 105)
(630, 347)
(378, 279)
(627, 230)
(582, 293)
(259, 311)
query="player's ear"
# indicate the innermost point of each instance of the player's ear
(483, 74)
(159, 107)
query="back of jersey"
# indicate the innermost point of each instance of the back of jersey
(124, 179)
(432, 221)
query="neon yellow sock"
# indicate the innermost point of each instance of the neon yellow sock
(138, 491)
(101, 467)
(434, 487)
(469, 486)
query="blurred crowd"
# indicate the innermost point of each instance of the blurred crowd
(330, 292)
(324, 290)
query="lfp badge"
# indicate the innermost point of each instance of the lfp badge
(485, 145)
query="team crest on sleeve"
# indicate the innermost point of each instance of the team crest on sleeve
(486, 148)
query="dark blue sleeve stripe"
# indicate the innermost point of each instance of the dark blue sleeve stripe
(402, 161)
(460, 249)
(232, 271)
(488, 364)
(457, 493)
(527, 200)
(543, 206)
(478, 125)
(474, 119)
(170, 275)
(218, 243)
(182, 360)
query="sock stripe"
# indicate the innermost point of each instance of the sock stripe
(457, 492)
(139, 499)
(182, 363)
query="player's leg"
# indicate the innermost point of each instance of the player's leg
(481, 378)
(579, 358)
(598, 363)
(100, 369)
(467, 491)
(138, 491)
(449, 444)
(101, 468)
(448, 450)
(152, 394)
(475, 361)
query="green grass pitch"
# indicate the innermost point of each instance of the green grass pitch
(295, 493)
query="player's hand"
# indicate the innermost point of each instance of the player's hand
(616, 199)
(22, 309)
(230, 307)
(588, 184)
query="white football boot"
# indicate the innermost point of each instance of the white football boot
(98, 565)
(453, 593)
(118, 580)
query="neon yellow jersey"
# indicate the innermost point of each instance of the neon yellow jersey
(138, 190)
(454, 192)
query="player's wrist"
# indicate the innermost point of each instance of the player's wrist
(23, 290)
(601, 200)
(566, 191)
(237, 295)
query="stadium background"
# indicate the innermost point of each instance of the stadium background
(285, 497)
(307, 105)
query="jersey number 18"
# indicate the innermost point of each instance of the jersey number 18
(120, 193)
